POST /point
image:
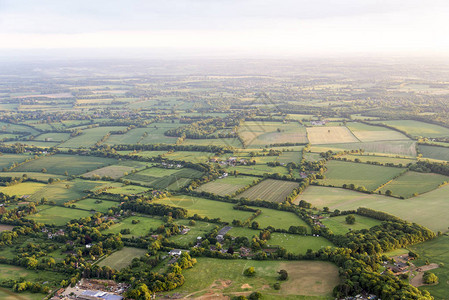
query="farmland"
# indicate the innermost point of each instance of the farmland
(402, 148)
(307, 278)
(227, 185)
(369, 133)
(260, 133)
(278, 219)
(143, 226)
(95, 205)
(122, 258)
(368, 176)
(58, 216)
(89, 137)
(24, 189)
(432, 152)
(330, 135)
(338, 225)
(298, 244)
(269, 190)
(417, 128)
(198, 230)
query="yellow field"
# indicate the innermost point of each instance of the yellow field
(330, 135)
(22, 189)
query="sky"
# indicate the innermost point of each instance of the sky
(220, 27)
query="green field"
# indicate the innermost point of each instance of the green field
(330, 135)
(219, 277)
(294, 243)
(379, 159)
(142, 228)
(199, 229)
(278, 219)
(258, 169)
(436, 252)
(226, 186)
(7, 159)
(127, 190)
(190, 156)
(338, 224)
(114, 171)
(53, 137)
(428, 209)
(122, 258)
(205, 207)
(432, 152)
(61, 163)
(270, 190)
(414, 183)
(56, 215)
(359, 174)
(90, 137)
(33, 175)
(225, 142)
(40, 276)
(403, 148)
(243, 231)
(290, 156)
(417, 128)
(260, 133)
(89, 204)
(369, 133)
(24, 189)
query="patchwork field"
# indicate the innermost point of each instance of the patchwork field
(330, 135)
(217, 277)
(205, 207)
(414, 183)
(7, 159)
(94, 204)
(144, 226)
(227, 185)
(190, 156)
(338, 224)
(226, 142)
(114, 171)
(367, 133)
(24, 189)
(127, 189)
(278, 219)
(428, 209)
(56, 215)
(260, 133)
(432, 152)
(380, 159)
(122, 258)
(90, 137)
(403, 148)
(270, 190)
(369, 176)
(61, 163)
(258, 169)
(290, 156)
(417, 128)
(294, 243)
(33, 175)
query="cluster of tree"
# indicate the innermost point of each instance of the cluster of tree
(155, 209)
(425, 166)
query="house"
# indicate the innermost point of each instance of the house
(185, 230)
(98, 295)
(220, 238)
(175, 252)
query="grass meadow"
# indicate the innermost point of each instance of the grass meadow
(338, 224)
(226, 186)
(122, 258)
(270, 190)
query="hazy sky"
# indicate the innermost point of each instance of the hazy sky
(259, 27)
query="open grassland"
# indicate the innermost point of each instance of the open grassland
(290, 156)
(417, 128)
(205, 207)
(270, 190)
(156, 134)
(6, 159)
(369, 133)
(64, 191)
(380, 159)
(330, 135)
(144, 226)
(278, 219)
(114, 171)
(8, 272)
(127, 190)
(359, 174)
(243, 231)
(56, 215)
(294, 243)
(94, 204)
(144, 153)
(90, 137)
(217, 277)
(161, 178)
(403, 148)
(24, 189)
(190, 156)
(414, 183)
(199, 229)
(122, 258)
(261, 133)
(432, 152)
(134, 136)
(258, 169)
(61, 163)
(338, 224)
(429, 209)
(53, 137)
(225, 142)
(226, 186)
(33, 175)
(436, 251)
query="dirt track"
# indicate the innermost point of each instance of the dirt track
(418, 279)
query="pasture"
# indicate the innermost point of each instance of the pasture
(370, 133)
(433, 152)
(53, 137)
(190, 156)
(217, 277)
(61, 163)
(330, 135)
(205, 207)
(122, 258)
(258, 169)
(226, 186)
(417, 128)
(56, 215)
(9, 272)
(290, 156)
(24, 189)
(90, 137)
(269, 190)
(243, 231)
(114, 172)
(144, 226)
(429, 209)
(436, 252)
(359, 174)
(396, 160)
(298, 244)
(338, 224)
(414, 183)
(278, 219)
(402, 148)
(225, 142)
(155, 134)
(34, 175)
(127, 190)
(7, 159)
(258, 134)
(95, 204)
